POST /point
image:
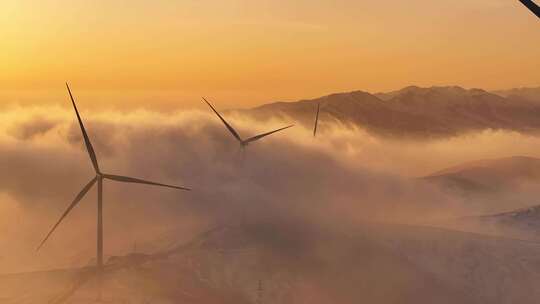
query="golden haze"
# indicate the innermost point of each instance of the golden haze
(169, 53)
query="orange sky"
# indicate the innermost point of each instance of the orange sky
(246, 52)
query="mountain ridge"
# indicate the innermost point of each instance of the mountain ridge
(415, 112)
(489, 175)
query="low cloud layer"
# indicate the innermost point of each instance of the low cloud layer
(343, 177)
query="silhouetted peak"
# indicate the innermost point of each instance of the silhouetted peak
(358, 94)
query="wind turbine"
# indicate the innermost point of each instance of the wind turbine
(532, 6)
(100, 176)
(243, 142)
(316, 120)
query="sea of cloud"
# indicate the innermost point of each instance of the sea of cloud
(343, 177)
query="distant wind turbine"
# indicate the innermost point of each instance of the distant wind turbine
(532, 6)
(100, 176)
(316, 120)
(243, 142)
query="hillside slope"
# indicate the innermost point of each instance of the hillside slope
(415, 112)
(245, 264)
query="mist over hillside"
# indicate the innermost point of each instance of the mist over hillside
(342, 216)
(269, 152)
(491, 175)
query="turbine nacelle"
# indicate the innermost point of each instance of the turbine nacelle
(243, 142)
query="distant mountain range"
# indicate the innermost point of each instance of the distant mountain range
(417, 112)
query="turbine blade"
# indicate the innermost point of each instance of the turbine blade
(71, 206)
(532, 6)
(87, 142)
(254, 138)
(316, 119)
(229, 127)
(126, 179)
